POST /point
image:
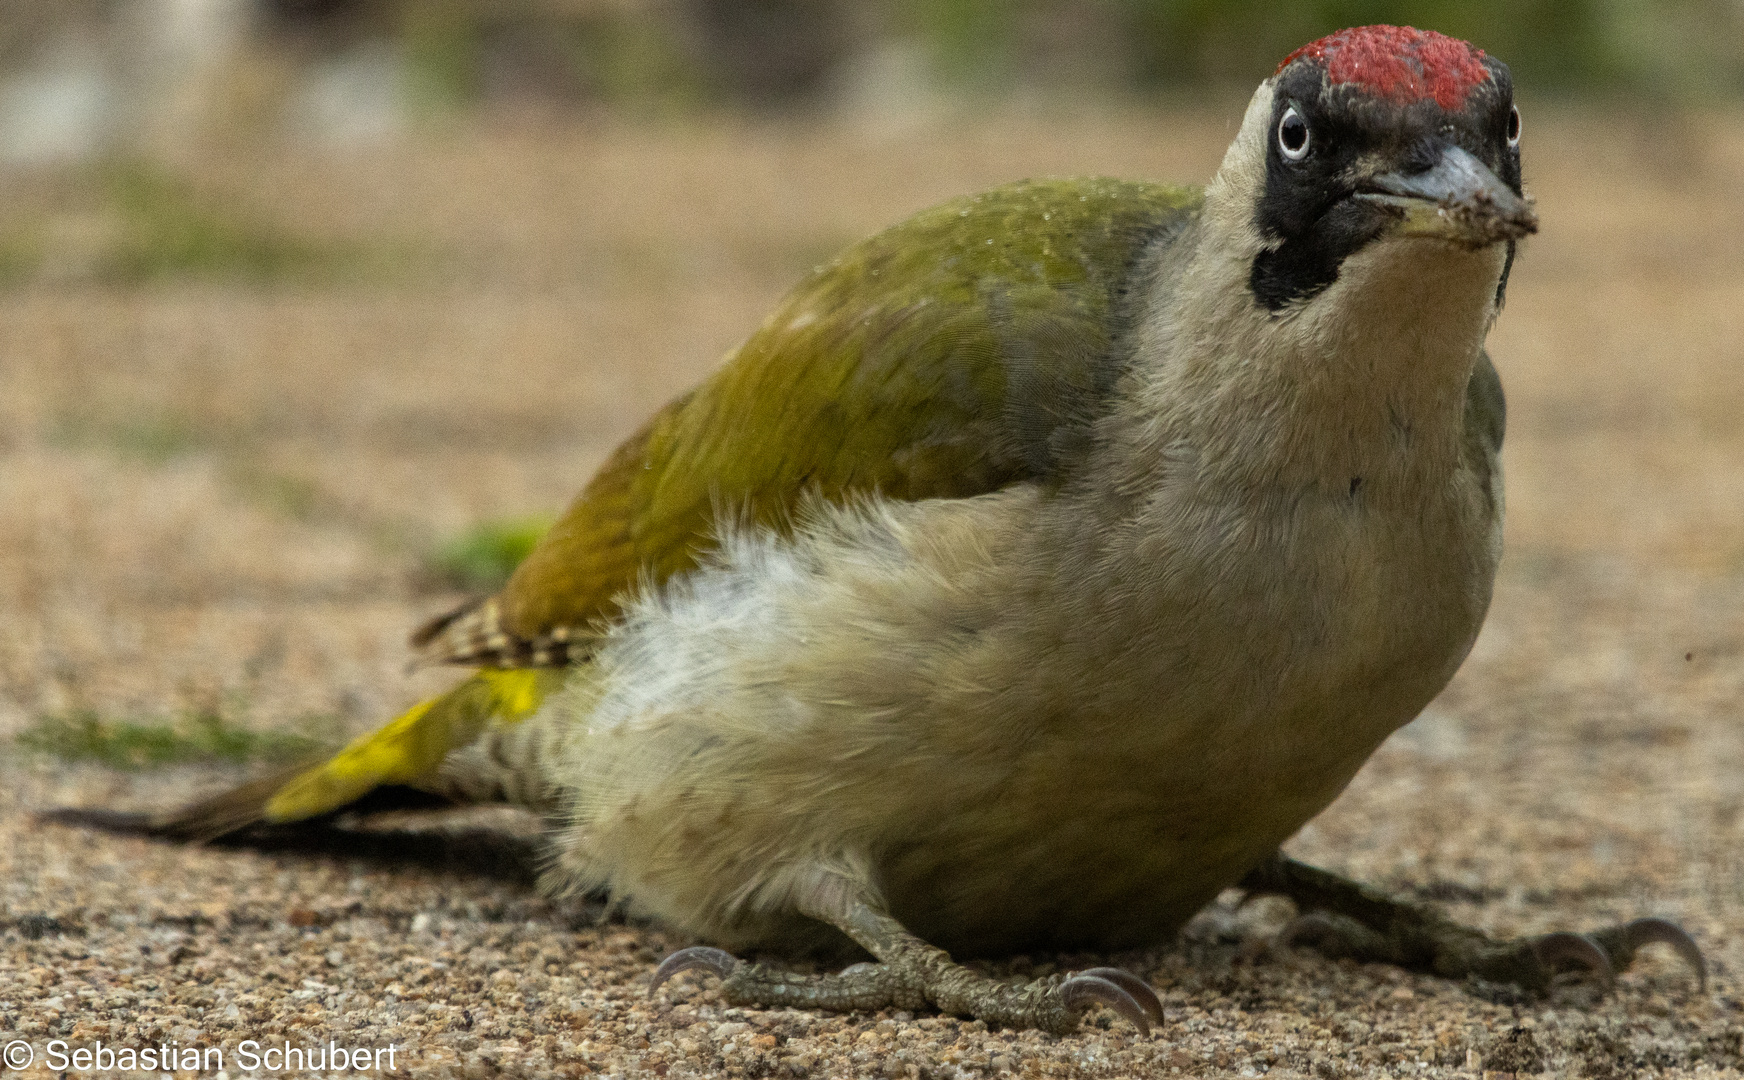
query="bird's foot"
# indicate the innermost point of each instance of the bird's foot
(925, 977)
(1342, 918)
(1454, 951)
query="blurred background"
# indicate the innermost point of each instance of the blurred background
(313, 313)
(86, 78)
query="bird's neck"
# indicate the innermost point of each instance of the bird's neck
(1364, 382)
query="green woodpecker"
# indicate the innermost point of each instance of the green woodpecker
(1036, 569)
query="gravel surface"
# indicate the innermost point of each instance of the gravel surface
(262, 561)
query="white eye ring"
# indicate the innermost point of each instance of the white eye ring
(1514, 126)
(1293, 129)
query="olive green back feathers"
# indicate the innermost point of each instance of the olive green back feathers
(948, 356)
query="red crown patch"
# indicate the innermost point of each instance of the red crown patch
(1399, 63)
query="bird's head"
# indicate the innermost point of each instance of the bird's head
(1371, 136)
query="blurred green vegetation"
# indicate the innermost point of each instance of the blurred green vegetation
(1658, 46)
(1661, 47)
(785, 52)
(20, 255)
(144, 222)
(195, 737)
(168, 230)
(483, 557)
(150, 439)
(458, 52)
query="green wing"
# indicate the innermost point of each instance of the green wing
(946, 357)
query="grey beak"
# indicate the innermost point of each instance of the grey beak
(1459, 199)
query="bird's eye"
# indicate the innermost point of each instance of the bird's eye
(1293, 135)
(1514, 126)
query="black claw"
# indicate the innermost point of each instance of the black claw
(1135, 987)
(1646, 931)
(697, 956)
(1563, 948)
(1078, 992)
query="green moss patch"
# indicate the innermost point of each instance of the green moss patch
(483, 557)
(86, 735)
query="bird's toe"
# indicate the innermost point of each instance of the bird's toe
(1080, 992)
(1334, 935)
(1135, 987)
(1563, 950)
(1620, 944)
(702, 957)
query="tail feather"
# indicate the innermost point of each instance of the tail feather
(398, 764)
(470, 851)
(226, 812)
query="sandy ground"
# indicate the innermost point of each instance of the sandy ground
(217, 496)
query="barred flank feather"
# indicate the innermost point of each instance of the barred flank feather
(475, 634)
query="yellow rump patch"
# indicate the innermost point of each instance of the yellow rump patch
(409, 750)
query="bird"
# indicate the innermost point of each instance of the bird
(1034, 571)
